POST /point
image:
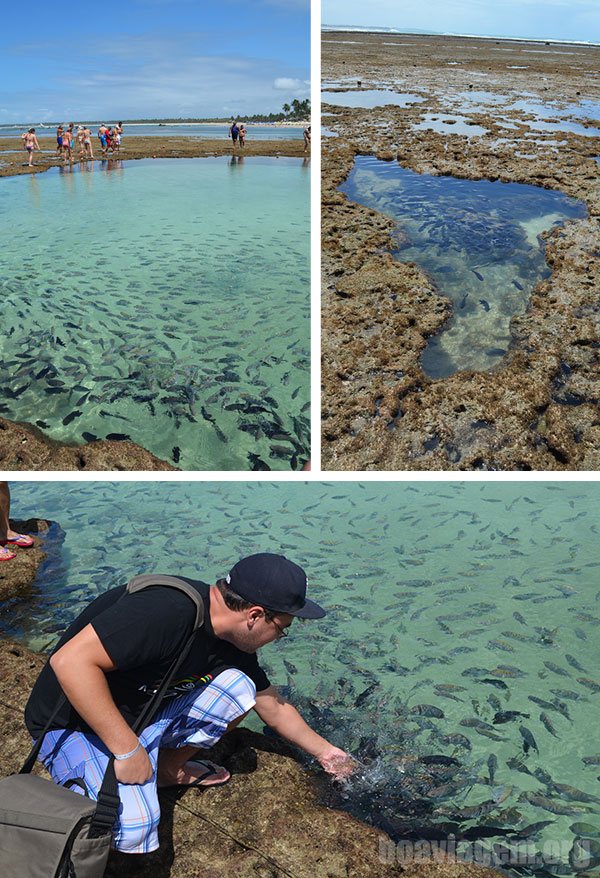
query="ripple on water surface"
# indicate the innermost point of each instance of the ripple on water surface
(462, 627)
(479, 242)
(166, 301)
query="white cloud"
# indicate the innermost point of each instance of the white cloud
(284, 83)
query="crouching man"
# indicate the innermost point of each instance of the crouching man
(113, 657)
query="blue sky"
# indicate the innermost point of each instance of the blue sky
(533, 19)
(151, 58)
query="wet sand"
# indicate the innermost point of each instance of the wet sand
(538, 409)
(25, 447)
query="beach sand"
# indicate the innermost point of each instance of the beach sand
(380, 411)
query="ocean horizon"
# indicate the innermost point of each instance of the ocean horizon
(351, 28)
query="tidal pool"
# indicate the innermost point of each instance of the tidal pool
(478, 240)
(369, 98)
(166, 301)
(459, 659)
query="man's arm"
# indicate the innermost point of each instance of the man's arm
(81, 666)
(284, 719)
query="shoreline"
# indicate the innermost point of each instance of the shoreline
(12, 152)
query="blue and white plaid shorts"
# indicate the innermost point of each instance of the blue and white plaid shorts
(198, 719)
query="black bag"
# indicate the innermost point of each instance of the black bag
(48, 831)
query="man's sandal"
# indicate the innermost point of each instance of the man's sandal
(212, 775)
(6, 554)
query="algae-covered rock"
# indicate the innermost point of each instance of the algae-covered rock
(267, 822)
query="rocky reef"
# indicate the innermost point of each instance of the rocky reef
(538, 408)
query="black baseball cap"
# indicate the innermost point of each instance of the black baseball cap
(273, 582)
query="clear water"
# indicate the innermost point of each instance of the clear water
(165, 300)
(477, 240)
(470, 597)
(255, 132)
(545, 112)
(448, 123)
(369, 98)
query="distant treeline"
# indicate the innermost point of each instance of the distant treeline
(297, 111)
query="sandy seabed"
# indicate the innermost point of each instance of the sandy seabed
(538, 409)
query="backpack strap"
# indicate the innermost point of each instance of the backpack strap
(145, 580)
(108, 798)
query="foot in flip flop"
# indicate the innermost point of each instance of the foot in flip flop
(6, 554)
(20, 540)
(199, 773)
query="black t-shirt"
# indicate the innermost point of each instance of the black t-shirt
(142, 633)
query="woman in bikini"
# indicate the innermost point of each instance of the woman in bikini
(30, 143)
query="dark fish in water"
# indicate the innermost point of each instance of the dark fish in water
(517, 764)
(574, 663)
(585, 829)
(565, 790)
(532, 829)
(485, 305)
(463, 301)
(591, 760)
(506, 716)
(176, 454)
(570, 696)
(119, 437)
(492, 765)
(551, 805)
(291, 668)
(556, 669)
(89, 437)
(365, 694)
(438, 760)
(257, 463)
(71, 417)
(499, 684)
(528, 740)
(518, 285)
(427, 710)
(457, 740)
(477, 274)
(547, 723)
(589, 684)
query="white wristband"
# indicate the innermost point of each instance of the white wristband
(121, 756)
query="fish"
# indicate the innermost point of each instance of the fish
(529, 742)
(428, 710)
(547, 723)
(506, 716)
(484, 304)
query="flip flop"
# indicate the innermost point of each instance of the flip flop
(21, 540)
(6, 554)
(210, 778)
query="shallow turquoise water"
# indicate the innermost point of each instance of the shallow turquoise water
(479, 242)
(166, 301)
(468, 598)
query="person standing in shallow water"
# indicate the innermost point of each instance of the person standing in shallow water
(307, 138)
(30, 143)
(112, 658)
(234, 133)
(242, 136)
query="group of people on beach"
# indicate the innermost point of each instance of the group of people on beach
(67, 137)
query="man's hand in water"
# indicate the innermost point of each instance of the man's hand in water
(338, 763)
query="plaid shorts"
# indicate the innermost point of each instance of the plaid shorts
(198, 719)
